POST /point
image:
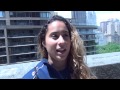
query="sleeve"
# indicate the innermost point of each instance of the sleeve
(29, 75)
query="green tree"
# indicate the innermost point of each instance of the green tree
(110, 47)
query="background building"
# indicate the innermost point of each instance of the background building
(100, 38)
(19, 30)
(18, 34)
(111, 30)
(85, 22)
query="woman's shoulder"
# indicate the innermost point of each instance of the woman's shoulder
(31, 74)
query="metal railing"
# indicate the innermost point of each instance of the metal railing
(21, 58)
(27, 49)
(3, 60)
(2, 43)
(2, 52)
(19, 42)
(1, 33)
(15, 33)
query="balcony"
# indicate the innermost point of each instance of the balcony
(2, 42)
(23, 53)
(26, 15)
(2, 37)
(2, 51)
(3, 60)
(2, 46)
(22, 33)
(2, 55)
(23, 26)
(2, 22)
(28, 22)
(90, 43)
(22, 50)
(86, 32)
(2, 33)
(21, 41)
(21, 45)
(92, 48)
(88, 37)
(23, 58)
(15, 36)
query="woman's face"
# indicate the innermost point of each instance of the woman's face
(57, 41)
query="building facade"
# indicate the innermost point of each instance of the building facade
(85, 22)
(111, 30)
(18, 35)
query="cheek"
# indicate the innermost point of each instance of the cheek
(50, 44)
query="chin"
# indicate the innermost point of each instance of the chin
(60, 58)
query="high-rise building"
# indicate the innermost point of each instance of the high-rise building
(18, 35)
(117, 27)
(103, 27)
(85, 22)
(111, 30)
(83, 17)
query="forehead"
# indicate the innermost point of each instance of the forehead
(57, 25)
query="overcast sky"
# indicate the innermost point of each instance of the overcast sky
(101, 15)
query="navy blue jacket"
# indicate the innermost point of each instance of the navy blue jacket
(45, 71)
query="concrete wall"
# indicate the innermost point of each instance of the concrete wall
(104, 66)
(111, 71)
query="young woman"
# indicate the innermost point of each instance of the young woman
(62, 52)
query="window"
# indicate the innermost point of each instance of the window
(35, 14)
(37, 22)
(27, 14)
(48, 15)
(19, 22)
(20, 14)
(3, 60)
(1, 33)
(12, 14)
(2, 14)
(30, 22)
(2, 51)
(44, 14)
(2, 22)
(2, 42)
(32, 48)
(42, 22)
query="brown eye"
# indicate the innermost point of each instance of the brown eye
(65, 35)
(54, 36)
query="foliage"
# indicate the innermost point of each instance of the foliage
(110, 47)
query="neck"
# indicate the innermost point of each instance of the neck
(58, 65)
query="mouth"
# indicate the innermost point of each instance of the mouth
(61, 51)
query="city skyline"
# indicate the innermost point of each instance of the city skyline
(100, 15)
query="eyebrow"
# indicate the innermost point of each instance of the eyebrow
(66, 31)
(61, 31)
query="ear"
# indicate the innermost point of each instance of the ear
(43, 43)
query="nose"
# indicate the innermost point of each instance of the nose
(61, 40)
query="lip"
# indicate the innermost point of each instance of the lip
(61, 51)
